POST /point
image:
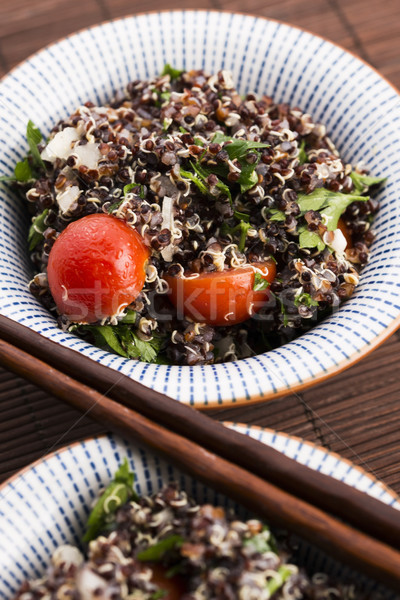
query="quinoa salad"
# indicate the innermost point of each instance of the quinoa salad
(186, 224)
(167, 546)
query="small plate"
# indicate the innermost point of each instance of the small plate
(47, 503)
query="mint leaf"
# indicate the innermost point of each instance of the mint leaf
(117, 493)
(34, 137)
(259, 283)
(305, 299)
(310, 239)
(36, 230)
(171, 71)
(363, 182)
(156, 552)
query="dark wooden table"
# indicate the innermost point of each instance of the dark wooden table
(357, 413)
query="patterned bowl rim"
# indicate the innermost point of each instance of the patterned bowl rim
(241, 428)
(357, 355)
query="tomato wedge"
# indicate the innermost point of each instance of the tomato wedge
(224, 297)
(96, 267)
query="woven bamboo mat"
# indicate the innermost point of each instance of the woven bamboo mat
(358, 412)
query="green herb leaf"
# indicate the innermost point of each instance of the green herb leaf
(22, 172)
(275, 583)
(276, 215)
(248, 177)
(34, 137)
(117, 493)
(105, 335)
(302, 156)
(114, 206)
(196, 180)
(36, 230)
(259, 283)
(203, 173)
(158, 594)
(238, 148)
(147, 350)
(171, 71)
(130, 317)
(363, 182)
(305, 299)
(330, 204)
(241, 216)
(156, 552)
(261, 542)
(310, 239)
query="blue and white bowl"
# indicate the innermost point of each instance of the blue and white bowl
(360, 109)
(47, 504)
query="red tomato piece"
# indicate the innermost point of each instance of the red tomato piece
(174, 587)
(223, 297)
(96, 268)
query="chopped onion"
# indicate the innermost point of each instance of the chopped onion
(60, 145)
(66, 199)
(335, 240)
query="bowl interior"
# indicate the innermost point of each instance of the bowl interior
(47, 504)
(362, 115)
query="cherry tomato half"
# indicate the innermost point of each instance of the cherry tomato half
(223, 297)
(96, 267)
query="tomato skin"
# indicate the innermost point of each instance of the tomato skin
(223, 297)
(174, 587)
(96, 267)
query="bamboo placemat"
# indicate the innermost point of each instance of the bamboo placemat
(358, 412)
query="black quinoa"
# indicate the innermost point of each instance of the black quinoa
(156, 129)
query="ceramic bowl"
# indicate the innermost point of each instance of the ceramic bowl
(361, 112)
(47, 504)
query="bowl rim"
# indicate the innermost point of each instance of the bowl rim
(241, 427)
(356, 355)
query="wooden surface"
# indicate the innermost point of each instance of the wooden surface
(357, 413)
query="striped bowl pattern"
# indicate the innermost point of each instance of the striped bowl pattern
(360, 109)
(47, 503)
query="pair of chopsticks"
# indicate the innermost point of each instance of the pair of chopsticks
(262, 479)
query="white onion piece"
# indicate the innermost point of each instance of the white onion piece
(87, 582)
(67, 198)
(67, 555)
(60, 145)
(335, 240)
(88, 155)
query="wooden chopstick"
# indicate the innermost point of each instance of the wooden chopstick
(279, 507)
(355, 507)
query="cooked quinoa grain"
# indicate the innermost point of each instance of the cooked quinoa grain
(213, 182)
(208, 554)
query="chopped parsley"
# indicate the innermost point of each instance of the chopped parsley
(172, 72)
(259, 283)
(361, 183)
(36, 230)
(117, 493)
